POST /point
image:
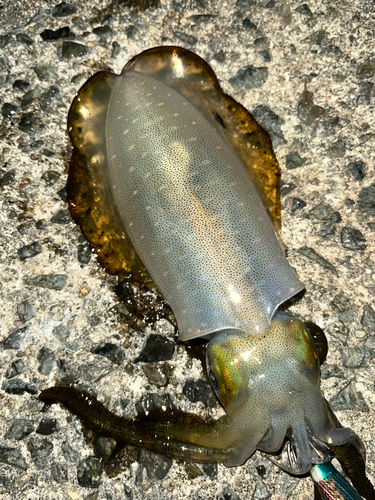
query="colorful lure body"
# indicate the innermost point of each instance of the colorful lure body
(331, 484)
(175, 184)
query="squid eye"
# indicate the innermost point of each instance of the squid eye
(320, 340)
(213, 380)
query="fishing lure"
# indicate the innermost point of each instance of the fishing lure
(175, 185)
(331, 484)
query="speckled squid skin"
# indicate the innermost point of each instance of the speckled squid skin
(174, 183)
(191, 211)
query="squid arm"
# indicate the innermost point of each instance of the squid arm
(187, 436)
(171, 432)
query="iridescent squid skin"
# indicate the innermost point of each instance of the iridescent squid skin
(278, 370)
(175, 184)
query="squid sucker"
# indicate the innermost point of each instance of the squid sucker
(177, 188)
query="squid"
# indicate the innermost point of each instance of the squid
(176, 187)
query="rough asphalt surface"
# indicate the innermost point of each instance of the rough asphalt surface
(306, 70)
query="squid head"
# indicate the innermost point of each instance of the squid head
(269, 386)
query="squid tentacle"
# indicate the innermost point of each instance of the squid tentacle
(171, 432)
